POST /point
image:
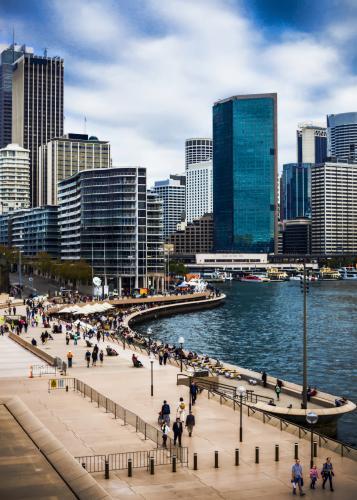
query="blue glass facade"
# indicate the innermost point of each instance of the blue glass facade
(295, 191)
(245, 173)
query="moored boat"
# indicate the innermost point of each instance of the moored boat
(275, 274)
(348, 273)
(255, 278)
(326, 273)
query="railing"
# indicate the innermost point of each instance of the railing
(39, 370)
(127, 416)
(140, 459)
(335, 445)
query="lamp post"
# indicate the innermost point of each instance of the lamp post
(312, 419)
(149, 334)
(151, 357)
(241, 391)
(181, 341)
(305, 290)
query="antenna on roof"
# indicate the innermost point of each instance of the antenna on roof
(13, 44)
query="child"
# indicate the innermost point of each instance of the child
(314, 474)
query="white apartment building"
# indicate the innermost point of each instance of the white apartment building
(65, 156)
(199, 190)
(198, 149)
(172, 192)
(14, 178)
(334, 208)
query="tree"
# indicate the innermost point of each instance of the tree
(177, 268)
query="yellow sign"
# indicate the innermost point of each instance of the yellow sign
(53, 383)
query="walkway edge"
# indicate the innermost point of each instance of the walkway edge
(78, 480)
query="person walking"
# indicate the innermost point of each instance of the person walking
(101, 357)
(314, 475)
(94, 356)
(327, 473)
(165, 429)
(67, 338)
(264, 378)
(165, 412)
(277, 391)
(161, 356)
(178, 429)
(193, 392)
(297, 478)
(180, 411)
(190, 423)
(166, 355)
(75, 339)
(87, 357)
(70, 358)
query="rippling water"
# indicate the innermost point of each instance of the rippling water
(260, 327)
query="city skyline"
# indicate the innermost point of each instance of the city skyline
(154, 86)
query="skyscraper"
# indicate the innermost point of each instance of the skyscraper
(64, 156)
(37, 107)
(334, 208)
(245, 173)
(311, 143)
(14, 178)
(172, 192)
(7, 58)
(295, 199)
(199, 190)
(198, 149)
(342, 136)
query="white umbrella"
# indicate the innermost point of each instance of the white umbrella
(108, 306)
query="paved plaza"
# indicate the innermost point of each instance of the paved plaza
(85, 429)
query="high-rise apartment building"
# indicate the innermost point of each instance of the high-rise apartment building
(14, 178)
(311, 143)
(172, 192)
(199, 190)
(7, 59)
(37, 107)
(154, 240)
(103, 219)
(198, 149)
(334, 208)
(295, 191)
(65, 156)
(342, 136)
(245, 173)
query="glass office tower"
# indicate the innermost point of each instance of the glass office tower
(245, 173)
(295, 191)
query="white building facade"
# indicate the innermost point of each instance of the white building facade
(198, 149)
(172, 192)
(14, 178)
(199, 190)
(334, 208)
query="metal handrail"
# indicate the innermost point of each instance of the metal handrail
(270, 417)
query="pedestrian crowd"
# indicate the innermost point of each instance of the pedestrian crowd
(297, 477)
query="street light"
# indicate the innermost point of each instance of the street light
(181, 341)
(152, 357)
(241, 392)
(312, 419)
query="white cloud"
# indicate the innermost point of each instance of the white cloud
(148, 92)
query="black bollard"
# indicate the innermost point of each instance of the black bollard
(257, 454)
(130, 467)
(195, 467)
(276, 453)
(66, 388)
(216, 459)
(83, 465)
(173, 463)
(315, 448)
(106, 470)
(152, 466)
(237, 456)
(296, 451)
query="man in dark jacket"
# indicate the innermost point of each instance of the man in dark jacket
(193, 391)
(165, 412)
(190, 423)
(177, 428)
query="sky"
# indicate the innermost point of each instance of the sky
(145, 73)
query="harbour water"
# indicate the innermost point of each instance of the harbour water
(260, 327)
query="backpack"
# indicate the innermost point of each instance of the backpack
(166, 409)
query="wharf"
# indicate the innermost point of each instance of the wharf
(87, 430)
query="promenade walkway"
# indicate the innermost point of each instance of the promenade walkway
(216, 428)
(15, 361)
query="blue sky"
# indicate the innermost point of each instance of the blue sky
(145, 73)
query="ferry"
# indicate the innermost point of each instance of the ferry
(348, 273)
(255, 278)
(299, 277)
(275, 275)
(326, 273)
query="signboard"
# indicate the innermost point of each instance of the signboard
(97, 281)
